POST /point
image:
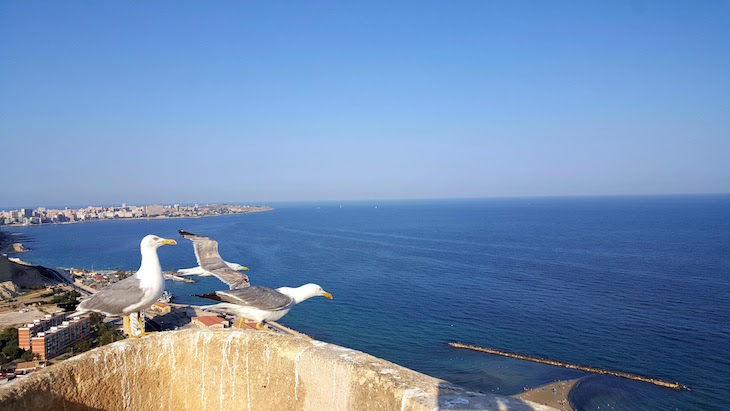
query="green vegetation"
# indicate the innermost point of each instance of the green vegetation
(82, 346)
(107, 335)
(9, 349)
(95, 319)
(68, 301)
(65, 298)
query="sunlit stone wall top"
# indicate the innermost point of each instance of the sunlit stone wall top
(243, 370)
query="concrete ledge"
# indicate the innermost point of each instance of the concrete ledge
(236, 369)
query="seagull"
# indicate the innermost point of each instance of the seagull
(211, 263)
(262, 304)
(134, 293)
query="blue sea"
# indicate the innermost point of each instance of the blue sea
(635, 284)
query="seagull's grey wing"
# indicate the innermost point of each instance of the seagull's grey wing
(115, 298)
(263, 298)
(206, 251)
(233, 278)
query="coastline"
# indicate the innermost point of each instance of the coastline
(9, 246)
(555, 394)
(160, 217)
(6, 243)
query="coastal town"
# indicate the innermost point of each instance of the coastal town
(36, 302)
(43, 215)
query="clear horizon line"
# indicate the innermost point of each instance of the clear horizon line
(555, 196)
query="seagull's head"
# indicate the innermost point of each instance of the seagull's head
(239, 267)
(315, 290)
(155, 241)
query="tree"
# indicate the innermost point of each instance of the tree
(8, 335)
(106, 335)
(106, 338)
(95, 319)
(68, 301)
(12, 351)
(9, 345)
(27, 356)
(82, 346)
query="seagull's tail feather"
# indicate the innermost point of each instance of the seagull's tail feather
(220, 307)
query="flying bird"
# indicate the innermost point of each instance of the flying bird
(211, 263)
(134, 293)
(262, 304)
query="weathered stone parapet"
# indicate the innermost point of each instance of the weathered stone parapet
(241, 370)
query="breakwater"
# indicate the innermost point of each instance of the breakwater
(596, 370)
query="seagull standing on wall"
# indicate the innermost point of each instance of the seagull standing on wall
(262, 304)
(135, 293)
(211, 263)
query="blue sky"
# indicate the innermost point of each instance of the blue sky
(140, 102)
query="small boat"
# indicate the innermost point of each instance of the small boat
(166, 297)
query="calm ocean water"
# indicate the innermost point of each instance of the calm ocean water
(637, 284)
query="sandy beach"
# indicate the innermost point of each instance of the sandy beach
(553, 395)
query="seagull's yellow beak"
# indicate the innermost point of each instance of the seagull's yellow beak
(169, 241)
(327, 295)
(244, 268)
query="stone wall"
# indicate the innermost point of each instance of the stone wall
(236, 369)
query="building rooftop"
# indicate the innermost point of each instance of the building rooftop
(209, 320)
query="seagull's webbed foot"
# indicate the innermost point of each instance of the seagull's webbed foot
(240, 323)
(260, 326)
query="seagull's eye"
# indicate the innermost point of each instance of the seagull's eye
(155, 238)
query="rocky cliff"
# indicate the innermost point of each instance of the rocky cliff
(26, 276)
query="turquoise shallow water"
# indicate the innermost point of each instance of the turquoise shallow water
(637, 284)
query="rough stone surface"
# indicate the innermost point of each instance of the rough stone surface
(237, 369)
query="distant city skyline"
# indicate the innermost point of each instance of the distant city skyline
(166, 102)
(45, 215)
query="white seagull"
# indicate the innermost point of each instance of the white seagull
(262, 304)
(211, 263)
(134, 293)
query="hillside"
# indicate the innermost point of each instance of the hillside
(26, 276)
